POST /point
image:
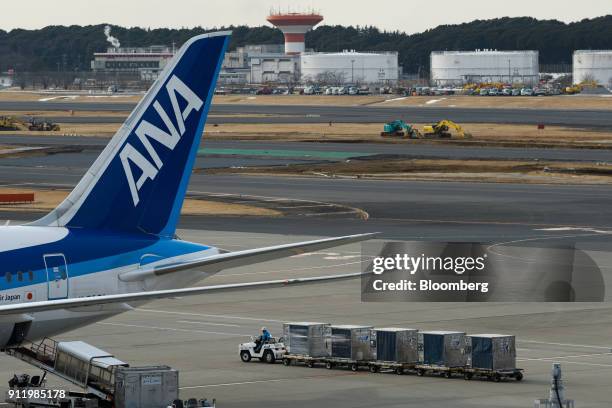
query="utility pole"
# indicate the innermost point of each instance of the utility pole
(509, 71)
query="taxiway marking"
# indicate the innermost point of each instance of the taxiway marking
(207, 323)
(175, 329)
(272, 380)
(567, 344)
(208, 315)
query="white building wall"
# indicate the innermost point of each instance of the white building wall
(461, 67)
(277, 68)
(593, 65)
(351, 67)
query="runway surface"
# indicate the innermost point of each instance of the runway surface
(199, 336)
(398, 209)
(340, 114)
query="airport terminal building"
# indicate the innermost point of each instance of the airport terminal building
(148, 61)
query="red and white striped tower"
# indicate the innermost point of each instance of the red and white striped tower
(294, 26)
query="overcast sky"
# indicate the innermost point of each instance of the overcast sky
(405, 15)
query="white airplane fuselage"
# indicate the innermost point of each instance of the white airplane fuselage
(51, 263)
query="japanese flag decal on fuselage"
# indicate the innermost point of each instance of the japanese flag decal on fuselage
(168, 137)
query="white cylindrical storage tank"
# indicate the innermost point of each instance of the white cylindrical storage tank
(591, 65)
(350, 67)
(462, 67)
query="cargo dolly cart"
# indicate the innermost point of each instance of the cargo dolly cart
(444, 371)
(493, 375)
(397, 368)
(327, 362)
(331, 362)
(308, 361)
(468, 373)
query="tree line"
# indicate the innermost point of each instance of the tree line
(62, 48)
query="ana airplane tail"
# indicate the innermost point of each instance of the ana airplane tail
(138, 183)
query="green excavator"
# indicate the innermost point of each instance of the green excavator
(399, 128)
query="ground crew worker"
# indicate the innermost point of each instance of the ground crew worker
(261, 340)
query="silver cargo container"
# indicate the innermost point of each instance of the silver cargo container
(442, 348)
(152, 387)
(491, 351)
(393, 344)
(305, 338)
(351, 342)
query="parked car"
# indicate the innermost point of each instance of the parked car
(516, 92)
(507, 92)
(526, 92)
(309, 90)
(539, 92)
(484, 92)
(494, 92)
(264, 91)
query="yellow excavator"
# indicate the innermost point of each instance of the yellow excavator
(442, 128)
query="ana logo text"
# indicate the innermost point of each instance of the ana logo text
(168, 137)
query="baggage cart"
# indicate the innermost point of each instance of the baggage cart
(493, 375)
(443, 371)
(396, 367)
(308, 361)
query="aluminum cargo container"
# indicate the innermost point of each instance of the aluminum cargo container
(442, 348)
(348, 341)
(152, 387)
(491, 351)
(395, 344)
(306, 338)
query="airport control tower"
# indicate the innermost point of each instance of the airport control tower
(294, 26)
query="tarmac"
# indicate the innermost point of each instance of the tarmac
(200, 337)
